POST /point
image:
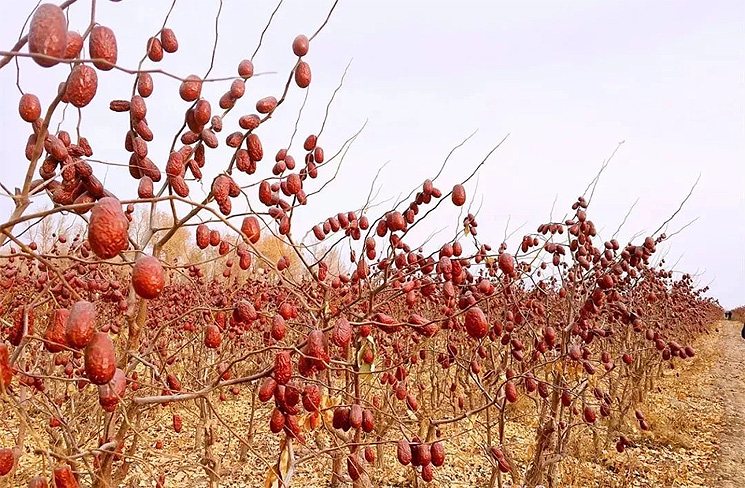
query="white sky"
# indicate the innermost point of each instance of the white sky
(567, 80)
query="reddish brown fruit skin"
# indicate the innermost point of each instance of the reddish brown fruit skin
(282, 367)
(437, 453)
(190, 88)
(354, 469)
(245, 69)
(81, 85)
(29, 107)
(154, 49)
(168, 40)
(203, 236)
(310, 142)
(6, 372)
(74, 45)
(368, 421)
(251, 228)
(300, 45)
(266, 392)
(48, 34)
(589, 415)
(249, 122)
(102, 48)
(38, 482)
(355, 416)
(458, 195)
(342, 334)
(80, 325)
(340, 419)
(277, 421)
(63, 477)
(303, 75)
(107, 228)
(212, 336)
(55, 334)
(109, 394)
(145, 187)
(145, 84)
(255, 150)
(476, 324)
(148, 278)
(266, 105)
(507, 264)
(403, 452)
(173, 383)
(420, 455)
(100, 359)
(279, 329)
(311, 398)
(7, 459)
(427, 473)
(510, 392)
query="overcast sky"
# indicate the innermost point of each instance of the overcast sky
(568, 80)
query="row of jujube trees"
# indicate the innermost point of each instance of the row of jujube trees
(491, 334)
(396, 352)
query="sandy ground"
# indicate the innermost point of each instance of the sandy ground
(728, 381)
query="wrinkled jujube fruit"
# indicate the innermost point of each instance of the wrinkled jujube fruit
(212, 336)
(74, 45)
(475, 322)
(266, 105)
(303, 75)
(300, 45)
(277, 421)
(64, 478)
(29, 107)
(81, 85)
(7, 459)
(437, 451)
(251, 228)
(6, 372)
(38, 482)
(191, 88)
(266, 391)
(342, 333)
(108, 228)
(354, 467)
(255, 150)
(458, 195)
(55, 334)
(282, 367)
(47, 34)
(403, 452)
(510, 392)
(102, 48)
(311, 398)
(100, 359)
(168, 40)
(245, 69)
(420, 455)
(148, 277)
(81, 324)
